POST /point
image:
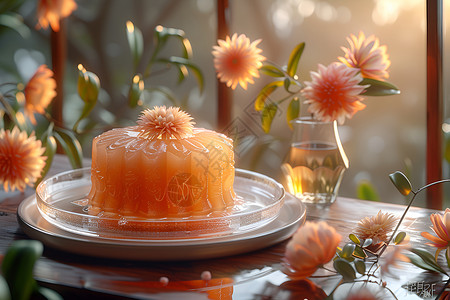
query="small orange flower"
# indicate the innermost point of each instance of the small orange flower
(237, 60)
(39, 92)
(441, 226)
(312, 246)
(367, 56)
(376, 227)
(333, 93)
(165, 123)
(50, 12)
(21, 160)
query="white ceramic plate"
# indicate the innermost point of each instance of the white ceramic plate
(291, 216)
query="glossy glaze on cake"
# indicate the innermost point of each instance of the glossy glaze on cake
(137, 174)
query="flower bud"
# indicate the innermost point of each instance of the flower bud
(88, 85)
(136, 90)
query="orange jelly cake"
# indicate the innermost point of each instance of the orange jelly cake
(161, 168)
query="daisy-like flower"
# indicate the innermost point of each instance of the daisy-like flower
(366, 55)
(39, 92)
(165, 123)
(50, 12)
(312, 246)
(237, 60)
(333, 93)
(441, 226)
(376, 227)
(21, 160)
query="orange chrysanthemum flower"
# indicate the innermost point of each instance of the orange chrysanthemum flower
(367, 56)
(50, 12)
(441, 226)
(376, 227)
(39, 92)
(333, 93)
(165, 123)
(237, 60)
(312, 246)
(21, 160)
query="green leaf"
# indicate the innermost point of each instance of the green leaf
(354, 239)
(347, 251)
(15, 22)
(426, 261)
(287, 84)
(271, 70)
(267, 116)
(88, 85)
(187, 48)
(4, 289)
(359, 253)
(294, 58)
(265, 92)
(399, 237)
(164, 33)
(367, 243)
(401, 182)
(360, 266)
(293, 111)
(71, 146)
(344, 268)
(17, 267)
(135, 42)
(88, 90)
(50, 150)
(180, 61)
(366, 191)
(379, 88)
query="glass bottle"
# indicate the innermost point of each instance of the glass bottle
(315, 164)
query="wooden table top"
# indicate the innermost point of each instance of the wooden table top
(252, 275)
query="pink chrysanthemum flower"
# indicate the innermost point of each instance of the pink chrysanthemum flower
(333, 93)
(39, 92)
(312, 246)
(441, 226)
(50, 12)
(376, 227)
(21, 160)
(165, 123)
(237, 60)
(366, 55)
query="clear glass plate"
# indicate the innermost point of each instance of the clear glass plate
(61, 200)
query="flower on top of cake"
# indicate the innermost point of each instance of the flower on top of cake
(165, 123)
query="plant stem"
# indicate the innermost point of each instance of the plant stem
(407, 208)
(8, 108)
